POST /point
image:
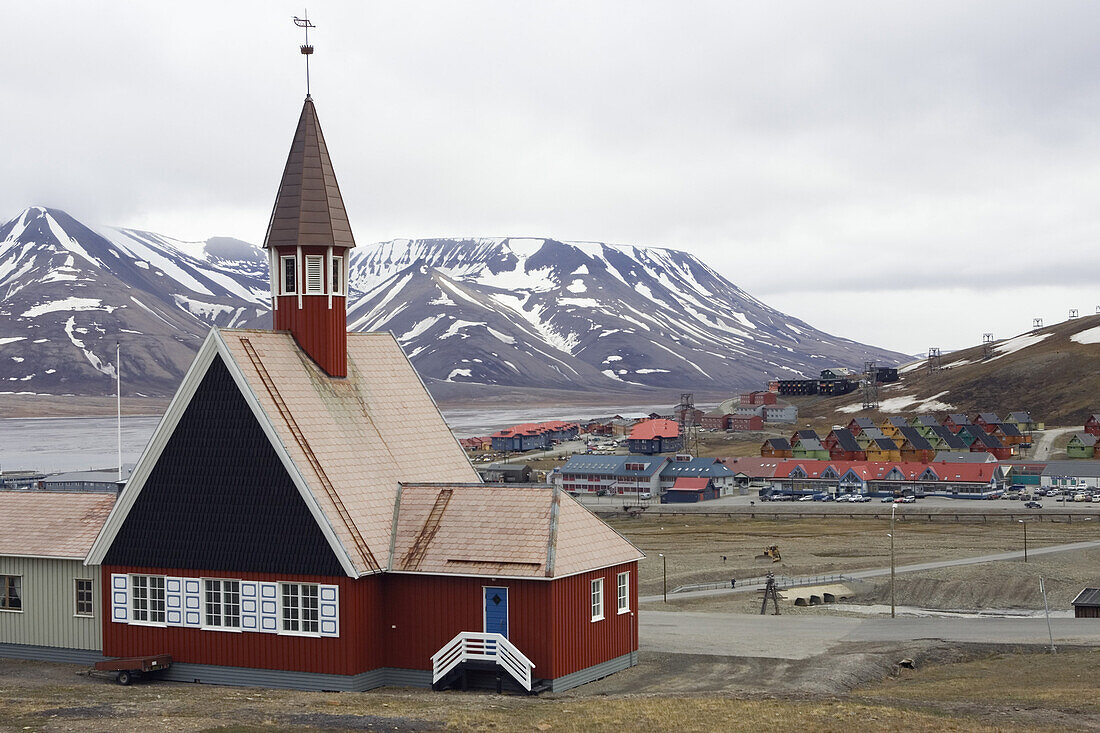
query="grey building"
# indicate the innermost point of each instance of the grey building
(49, 599)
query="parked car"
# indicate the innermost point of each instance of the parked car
(807, 497)
(859, 498)
(1082, 497)
(645, 496)
(888, 500)
(1033, 505)
(908, 500)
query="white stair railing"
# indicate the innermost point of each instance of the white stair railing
(486, 647)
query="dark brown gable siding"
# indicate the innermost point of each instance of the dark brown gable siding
(219, 499)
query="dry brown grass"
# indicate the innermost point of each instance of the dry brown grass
(1064, 681)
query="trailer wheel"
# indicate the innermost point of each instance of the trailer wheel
(125, 677)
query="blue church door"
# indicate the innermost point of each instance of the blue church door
(496, 610)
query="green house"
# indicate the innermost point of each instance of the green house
(810, 449)
(1081, 445)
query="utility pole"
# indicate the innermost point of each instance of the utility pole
(1023, 522)
(664, 575)
(1046, 608)
(893, 607)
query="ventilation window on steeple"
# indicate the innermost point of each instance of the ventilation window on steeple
(336, 275)
(290, 275)
(315, 279)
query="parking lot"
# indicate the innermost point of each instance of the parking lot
(750, 502)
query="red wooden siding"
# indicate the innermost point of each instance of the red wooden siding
(356, 650)
(580, 642)
(428, 610)
(401, 621)
(322, 332)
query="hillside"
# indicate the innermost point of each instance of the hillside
(479, 318)
(1050, 371)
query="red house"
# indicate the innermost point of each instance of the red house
(758, 398)
(302, 516)
(1092, 425)
(746, 422)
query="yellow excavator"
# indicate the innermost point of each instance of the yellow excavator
(770, 553)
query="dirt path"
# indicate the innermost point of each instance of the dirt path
(1045, 445)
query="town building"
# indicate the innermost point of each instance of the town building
(590, 474)
(505, 473)
(654, 436)
(534, 436)
(719, 476)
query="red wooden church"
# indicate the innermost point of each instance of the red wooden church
(303, 517)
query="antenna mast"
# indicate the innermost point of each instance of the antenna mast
(307, 50)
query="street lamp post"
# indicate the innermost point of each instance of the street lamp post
(893, 607)
(664, 575)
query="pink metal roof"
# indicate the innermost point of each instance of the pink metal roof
(485, 529)
(51, 523)
(659, 428)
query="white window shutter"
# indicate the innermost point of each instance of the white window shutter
(120, 598)
(269, 607)
(329, 609)
(192, 603)
(250, 605)
(173, 601)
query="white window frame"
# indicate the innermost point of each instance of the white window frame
(336, 275)
(4, 582)
(76, 598)
(595, 599)
(282, 274)
(623, 591)
(150, 610)
(298, 607)
(219, 624)
(314, 278)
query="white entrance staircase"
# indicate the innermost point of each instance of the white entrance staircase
(482, 647)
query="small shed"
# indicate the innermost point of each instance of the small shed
(688, 490)
(1087, 604)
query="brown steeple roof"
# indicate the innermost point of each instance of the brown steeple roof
(308, 208)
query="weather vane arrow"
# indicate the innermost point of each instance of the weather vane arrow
(307, 50)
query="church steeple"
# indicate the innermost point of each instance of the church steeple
(308, 239)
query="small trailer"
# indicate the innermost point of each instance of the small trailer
(130, 668)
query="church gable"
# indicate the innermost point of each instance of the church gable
(219, 498)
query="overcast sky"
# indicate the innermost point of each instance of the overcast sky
(907, 175)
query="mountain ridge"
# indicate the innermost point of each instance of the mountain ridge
(472, 313)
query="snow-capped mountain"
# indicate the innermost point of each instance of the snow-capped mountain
(538, 312)
(509, 312)
(68, 293)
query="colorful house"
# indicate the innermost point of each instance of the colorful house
(858, 424)
(809, 448)
(302, 516)
(883, 449)
(776, 448)
(1092, 425)
(955, 421)
(1081, 445)
(988, 421)
(842, 446)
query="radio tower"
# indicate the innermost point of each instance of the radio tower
(689, 434)
(987, 346)
(869, 383)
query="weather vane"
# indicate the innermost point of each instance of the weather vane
(307, 50)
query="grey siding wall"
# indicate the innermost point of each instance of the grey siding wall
(49, 616)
